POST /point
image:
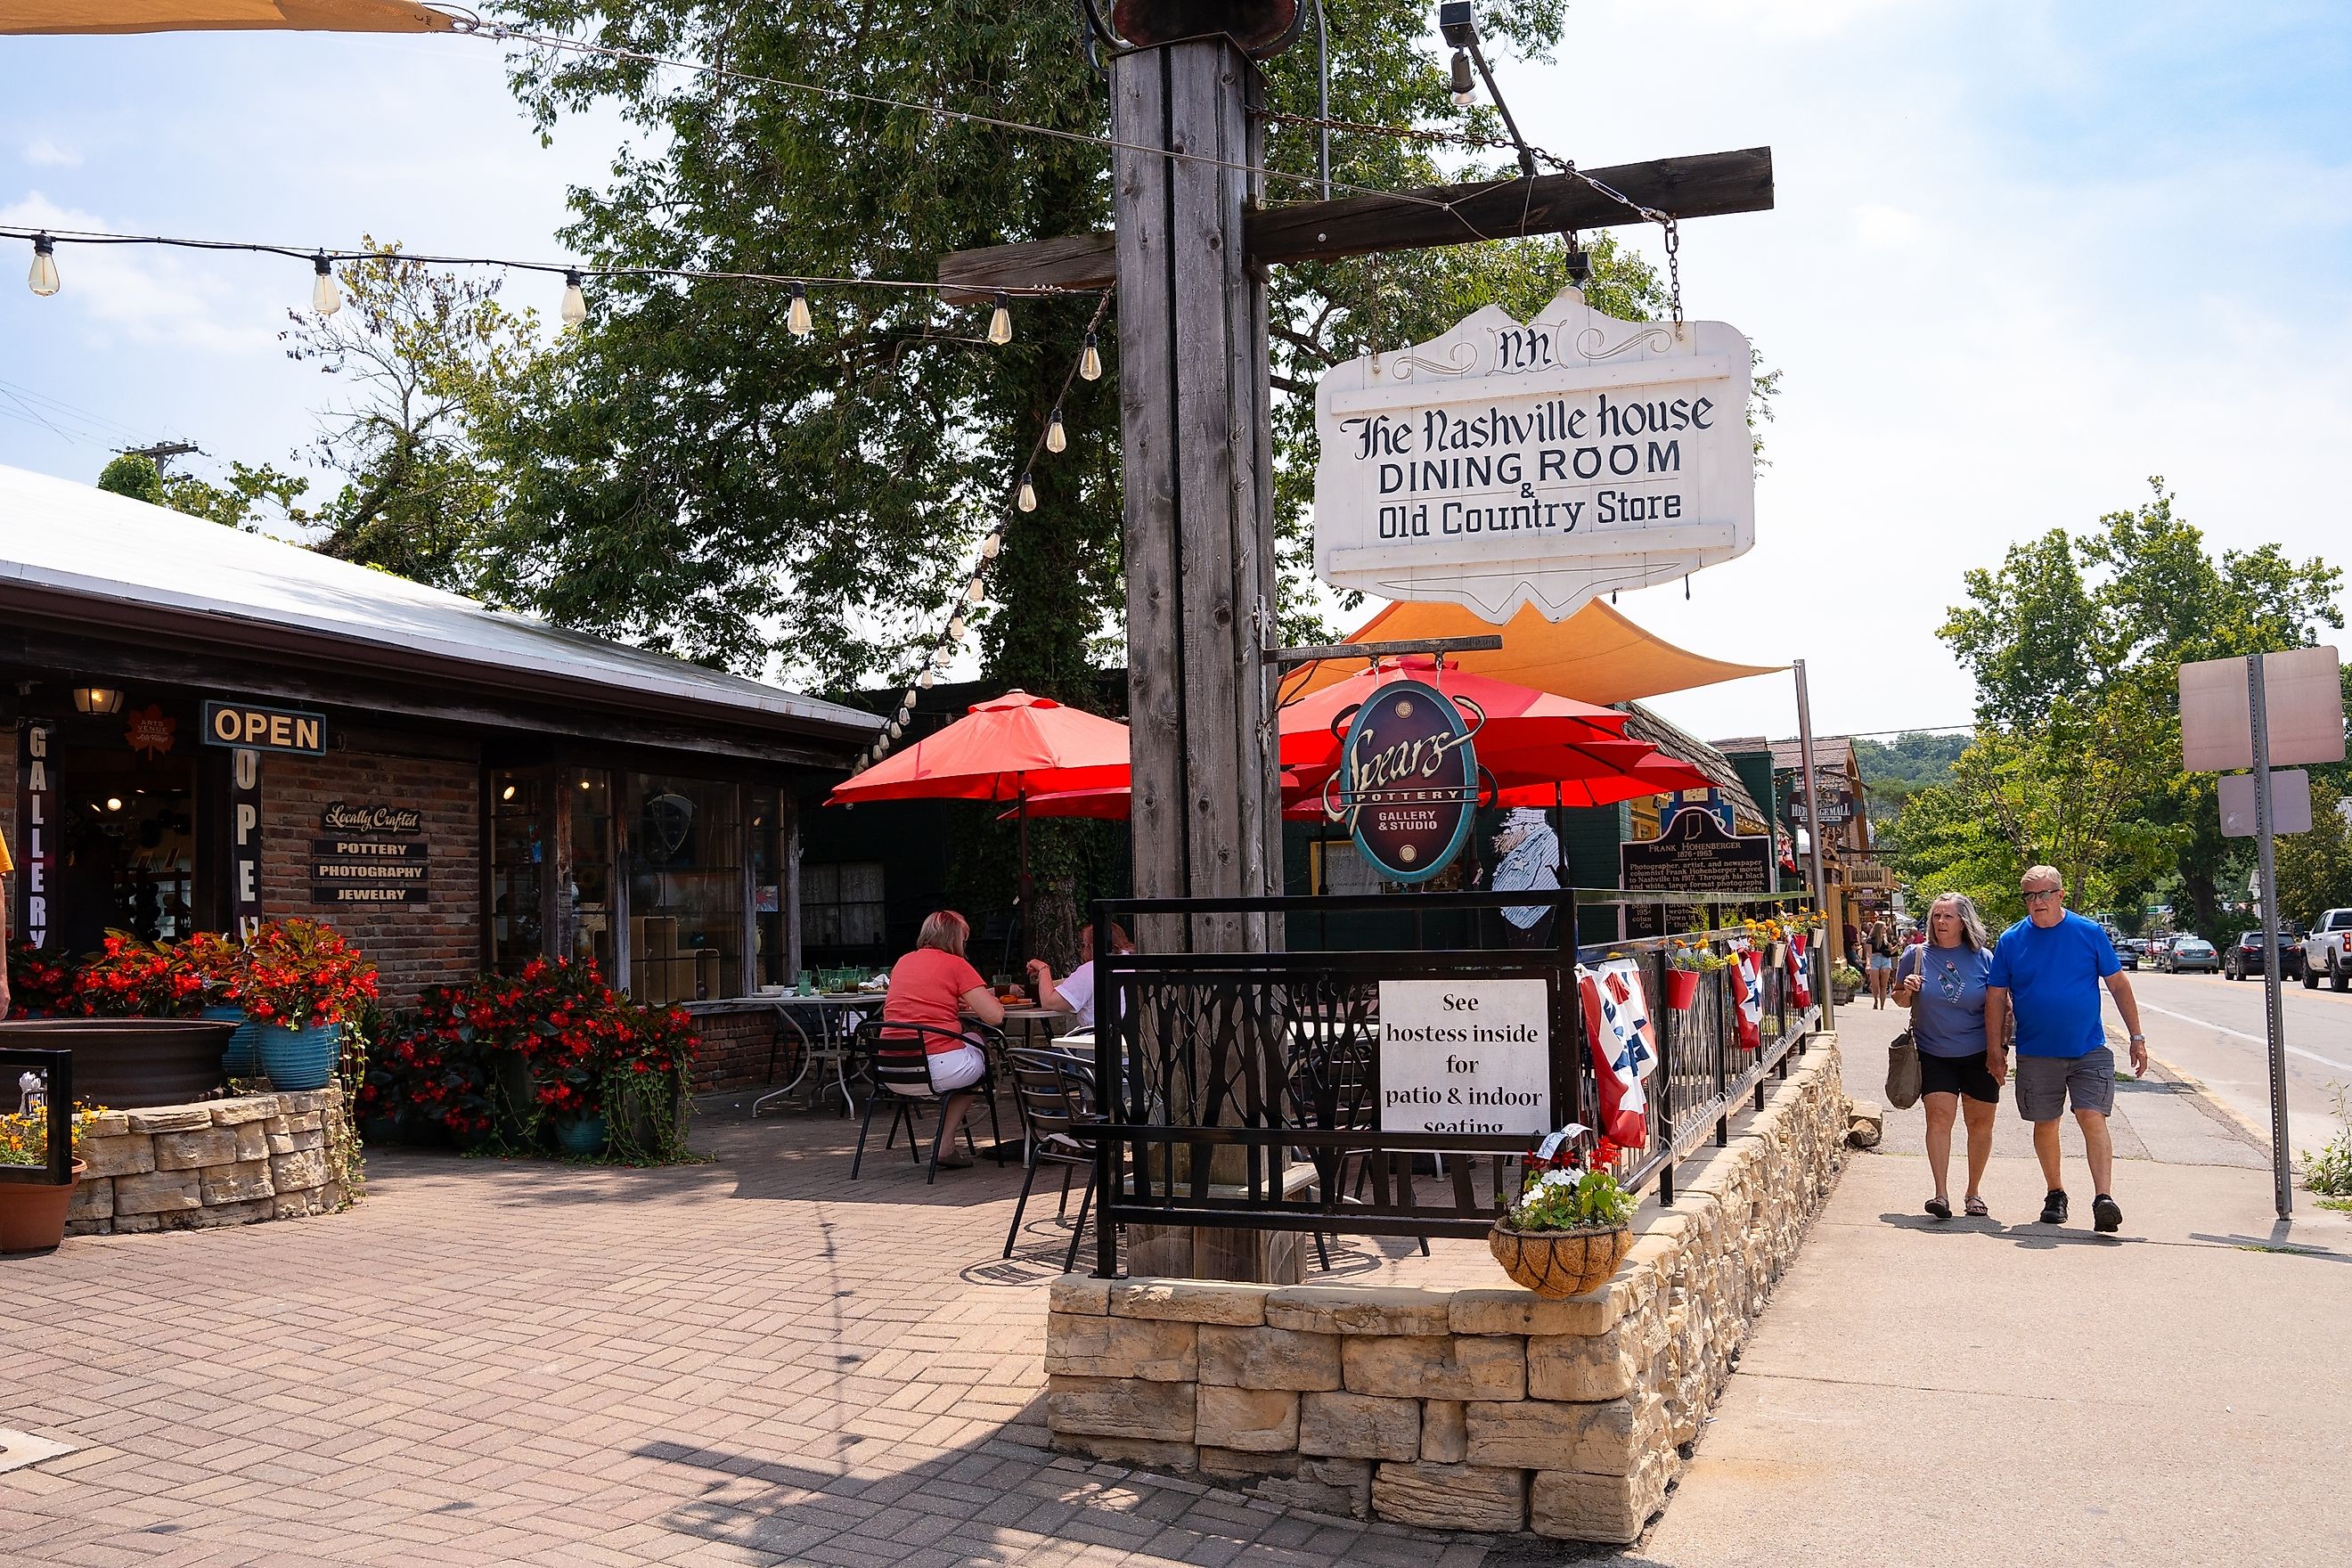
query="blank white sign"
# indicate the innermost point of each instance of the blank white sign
(2290, 803)
(2304, 697)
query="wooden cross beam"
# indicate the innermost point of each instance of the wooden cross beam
(1707, 185)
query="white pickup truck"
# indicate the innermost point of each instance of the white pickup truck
(2328, 951)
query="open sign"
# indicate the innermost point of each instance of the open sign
(265, 729)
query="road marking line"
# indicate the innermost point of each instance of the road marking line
(2256, 1039)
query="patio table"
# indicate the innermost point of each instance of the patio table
(837, 1019)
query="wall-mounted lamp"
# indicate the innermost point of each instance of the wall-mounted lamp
(98, 699)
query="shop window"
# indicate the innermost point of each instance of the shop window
(518, 856)
(588, 882)
(687, 889)
(125, 827)
(840, 910)
(770, 849)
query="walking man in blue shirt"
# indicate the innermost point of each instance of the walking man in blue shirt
(2046, 971)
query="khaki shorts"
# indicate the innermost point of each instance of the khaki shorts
(2045, 1084)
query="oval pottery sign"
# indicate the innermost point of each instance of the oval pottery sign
(1408, 781)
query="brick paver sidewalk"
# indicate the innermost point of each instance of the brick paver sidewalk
(750, 1361)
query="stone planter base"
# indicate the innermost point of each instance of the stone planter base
(220, 1163)
(1491, 1410)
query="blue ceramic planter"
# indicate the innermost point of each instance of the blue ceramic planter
(238, 1060)
(583, 1139)
(300, 1058)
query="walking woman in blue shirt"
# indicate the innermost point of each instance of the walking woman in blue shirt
(1945, 978)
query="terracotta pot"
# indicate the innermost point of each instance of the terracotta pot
(127, 1062)
(1557, 1263)
(32, 1214)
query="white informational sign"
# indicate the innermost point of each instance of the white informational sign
(1465, 1056)
(2302, 700)
(1544, 462)
(2290, 803)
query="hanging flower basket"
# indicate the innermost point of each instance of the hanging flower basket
(32, 1214)
(1557, 1263)
(1682, 989)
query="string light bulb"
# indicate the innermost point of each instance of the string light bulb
(896, 729)
(990, 546)
(575, 302)
(999, 323)
(955, 627)
(43, 279)
(974, 592)
(1090, 361)
(1057, 438)
(924, 679)
(796, 318)
(1027, 500)
(906, 716)
(325, 296)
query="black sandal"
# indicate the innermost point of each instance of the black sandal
(1939, 1207)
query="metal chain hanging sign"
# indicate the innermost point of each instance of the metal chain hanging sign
(1407, 784)
(1545, 462)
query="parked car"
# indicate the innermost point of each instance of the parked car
(2328, 951)
(2244, 959)
(2190, 953)
(2128, 952)
(2153, 953)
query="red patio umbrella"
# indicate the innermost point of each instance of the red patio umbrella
(1013, 748)
(1518, 717)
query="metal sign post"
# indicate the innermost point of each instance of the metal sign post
(1829, 936)
(2274, 1022)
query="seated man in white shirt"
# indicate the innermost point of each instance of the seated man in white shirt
(1076, 992)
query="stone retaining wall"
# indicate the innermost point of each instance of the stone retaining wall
(222, 1162)
(1467, 1409)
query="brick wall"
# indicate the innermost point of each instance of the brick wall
(413, 946)
(735, 1047)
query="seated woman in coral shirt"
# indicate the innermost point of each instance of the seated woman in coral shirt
(936, 984)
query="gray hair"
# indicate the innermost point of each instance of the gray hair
(1972, 930)
(2035, 873)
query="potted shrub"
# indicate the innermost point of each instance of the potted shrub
(301, 982)
(1846, 983)
(1568, 1232)
(211, 960)
(32, 1214)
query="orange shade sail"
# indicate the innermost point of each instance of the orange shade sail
(1013, 747)
(1595, 656)
(35, 16)
(1518, 717)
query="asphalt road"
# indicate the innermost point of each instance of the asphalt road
(2212, 1029)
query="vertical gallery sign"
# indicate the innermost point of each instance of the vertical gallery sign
(244, 839)
(37, 839)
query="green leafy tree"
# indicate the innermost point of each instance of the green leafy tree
(422, 357)
(249, 495)
(2314, 868)
(2074, 644)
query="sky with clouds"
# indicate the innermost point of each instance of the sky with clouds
(2024, 257)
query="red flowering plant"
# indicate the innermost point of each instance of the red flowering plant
(212, 961)
(302, 974)
(128, 978)
(427, 1073)
(40, 984)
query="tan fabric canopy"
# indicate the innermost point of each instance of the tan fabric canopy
(22, 17)
(1595, 656)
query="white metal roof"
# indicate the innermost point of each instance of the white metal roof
(74, 539)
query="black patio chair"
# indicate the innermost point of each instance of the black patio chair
(1331, 1088)
(1056, 1094)
(897, 1063)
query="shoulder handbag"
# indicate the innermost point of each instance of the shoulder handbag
(1903, 1060)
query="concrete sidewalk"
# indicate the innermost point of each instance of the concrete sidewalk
(2001, 1391)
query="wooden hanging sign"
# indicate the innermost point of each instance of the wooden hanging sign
(1543, 462)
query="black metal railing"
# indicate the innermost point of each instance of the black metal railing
(1243, 1089)
(55, 1070)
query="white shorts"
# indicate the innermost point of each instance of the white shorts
(951, 1070)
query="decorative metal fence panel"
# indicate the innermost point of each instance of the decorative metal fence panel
(44, 1079)
(1244, 1088)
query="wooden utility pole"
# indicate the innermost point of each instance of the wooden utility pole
(1196, 447)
